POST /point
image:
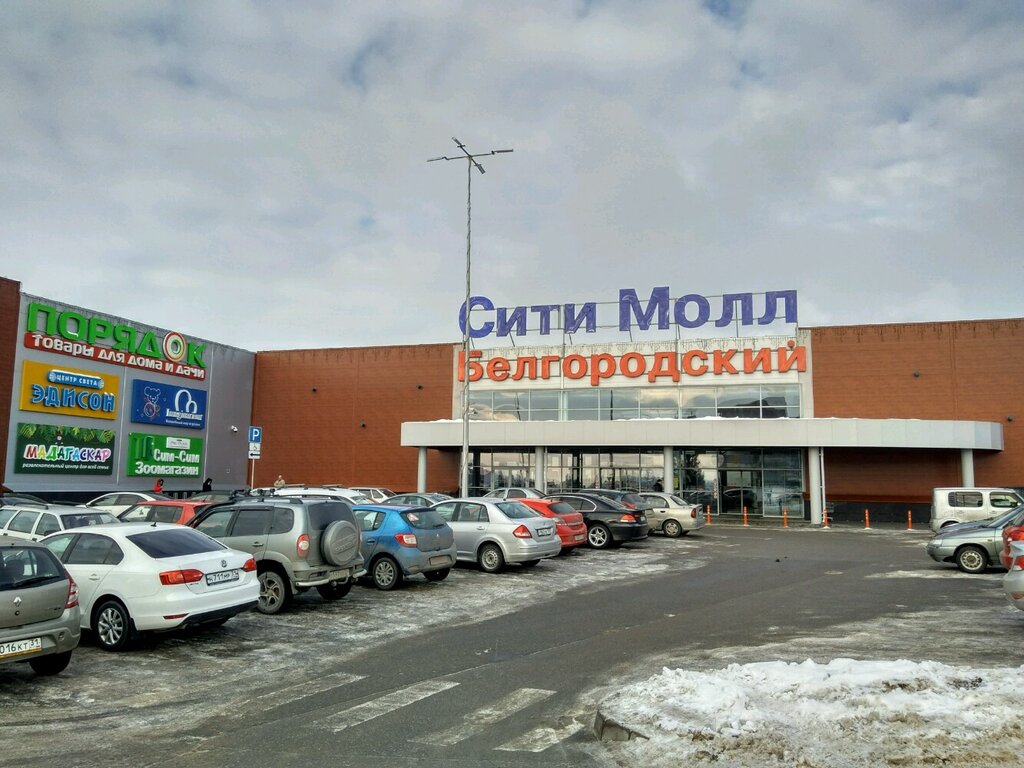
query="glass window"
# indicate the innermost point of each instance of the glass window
(779, 402)
(91, 549)
(956, 499)
(739, 402)
(697, 402)
(284, 519)
(623, 404)
(544, 406)
(560, 508)
(216, 524)
(171, 542)
(368, 519)
(510, 406)
(107, 500)
(5, 515)
(21, 567)
(59, 545)
(423, 518)
(167, 514)
(23, 522)
(659, 404)
(253, 522)
(47, 524)
(1004, 500)
(137, 514)
(582, 405)
(513, 510)
(480, 408)
(472, 513)
(446, 511)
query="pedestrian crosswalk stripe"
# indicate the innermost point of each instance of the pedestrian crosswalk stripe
(544, 736)
(302, 690)
(387, 703)
(476, 721)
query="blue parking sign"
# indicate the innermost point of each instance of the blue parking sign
(255, 434)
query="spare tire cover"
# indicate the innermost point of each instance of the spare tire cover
(339, 543)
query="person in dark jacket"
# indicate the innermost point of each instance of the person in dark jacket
(208, 484)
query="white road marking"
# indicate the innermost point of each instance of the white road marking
(387, 703)
(299, 691)
(544, 736)
(475, 722)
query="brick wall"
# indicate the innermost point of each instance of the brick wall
(968, 370)
(312, 405)
(10, 305)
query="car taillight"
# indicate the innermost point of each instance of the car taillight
(522, 532)
(72, 593)
(406, 539)
(627, 519)
(185, 576)
(302, 545)
(250, 565)
(1017, 563)
(693, 512)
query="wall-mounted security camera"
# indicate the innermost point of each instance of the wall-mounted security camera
(234, 428)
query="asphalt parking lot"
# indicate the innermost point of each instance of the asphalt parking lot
(505, 669)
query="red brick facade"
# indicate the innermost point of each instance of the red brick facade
(335, 415)
(10, 304)
(969, 370)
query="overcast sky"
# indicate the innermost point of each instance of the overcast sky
(255, 173)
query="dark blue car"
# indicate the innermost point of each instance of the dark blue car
(403, 541)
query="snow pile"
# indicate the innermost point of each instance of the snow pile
(842, 714)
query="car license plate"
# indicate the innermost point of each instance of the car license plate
(544, 532)
(579, 537)
(440, 560)
(222, 576)
(20, 647)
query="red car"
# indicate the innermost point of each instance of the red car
(1010, 533)
(178, 511)
(570, 526)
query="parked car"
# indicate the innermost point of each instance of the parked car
(416, 499)
(628, 499)
(39, 613)
(211, 497)
(1013, 581)
(514, 493)
(609, 524)
(142, 577)
(118, 502)
(35, 521)
(373, 493)
(299, 543)
(973, 546)
(403, 541)
(178, 511)
(960, 505)
(1012, 532)
(493, 532)
(8, 499)
(572, 531)
(327, 491)
(671, 515)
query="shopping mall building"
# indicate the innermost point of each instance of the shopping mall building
(725, 398)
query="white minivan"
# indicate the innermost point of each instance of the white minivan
(961, 505)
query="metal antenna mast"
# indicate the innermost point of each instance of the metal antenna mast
(471, 162)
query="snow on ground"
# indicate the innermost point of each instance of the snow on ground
(840, 714)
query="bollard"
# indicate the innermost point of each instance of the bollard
(910, 521)
(709, 514)
(744, 515)
(824, 518)
(867, 520)
(785, 518)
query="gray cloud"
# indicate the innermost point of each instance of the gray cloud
(255, 173)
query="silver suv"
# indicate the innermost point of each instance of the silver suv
(39, 613)
(298, 543)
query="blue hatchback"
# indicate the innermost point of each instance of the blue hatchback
(404, 541)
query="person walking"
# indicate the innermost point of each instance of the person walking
(279, 483)
(658, 486)
(158, 486)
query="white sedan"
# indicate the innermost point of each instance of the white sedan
(141, 577)
(671, 515)
(117, 502)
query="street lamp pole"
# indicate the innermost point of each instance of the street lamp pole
(471, 162)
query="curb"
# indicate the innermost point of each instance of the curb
(607, 729)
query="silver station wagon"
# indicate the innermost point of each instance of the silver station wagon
(493, 532)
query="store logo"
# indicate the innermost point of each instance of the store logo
(168, 405)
